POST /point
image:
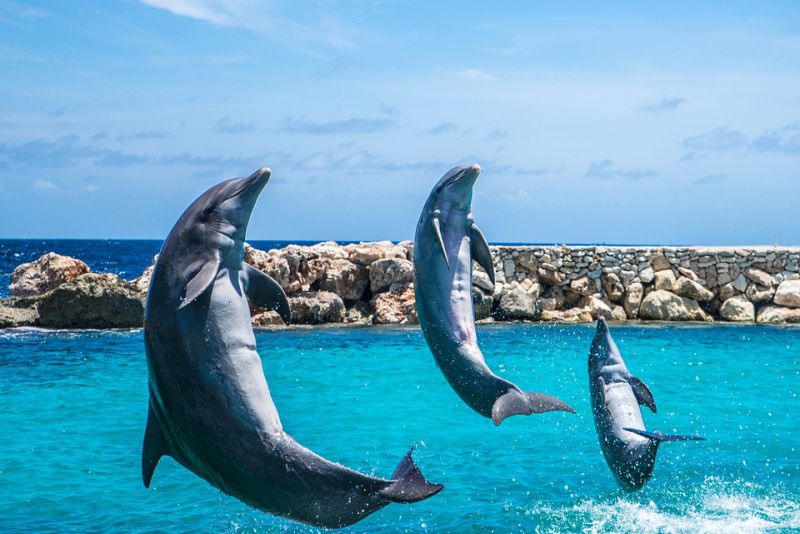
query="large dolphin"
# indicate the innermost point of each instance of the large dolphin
(210, 407)
(629, 449)
(446, 242)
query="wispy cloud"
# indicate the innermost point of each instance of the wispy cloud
(442, 127)
(148, 134)
(785, 140)
(605, 170)
(719, 139)
(355, 125)
(479, 75)
(665, 104)
(496, 134)
(711, 179)
(44, 185)
(692, 156)
(229, 126)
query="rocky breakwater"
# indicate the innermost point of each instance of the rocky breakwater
(372, 283)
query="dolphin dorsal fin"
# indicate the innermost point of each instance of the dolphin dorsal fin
(437, 229)
(265, 292)
(479, 249)
(201, 280)
(154, 447)
(642, 393)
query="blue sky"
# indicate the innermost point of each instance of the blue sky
(629, 122)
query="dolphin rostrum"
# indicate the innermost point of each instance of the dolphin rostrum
(210, 406)
(629, 449)
(446, 242)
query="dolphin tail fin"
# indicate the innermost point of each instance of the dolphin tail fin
(153, 448)
(408, 484)
(517, 402)
(659, 437)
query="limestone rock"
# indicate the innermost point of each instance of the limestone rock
(552, 299)
(740, 283)
(727, 291)
(738, 308)
(360, 313)
(778, 314)
(45, 274)
(367, 253)
(481, 280)
(759, 277)
(92, 301)
(661, 305)
(582, 286)
(688, 273)
(686, 287)
(315, 307)
(633, 299)
(142, 282)
(572, 315)
(528, 261)
(647, 275)
(788, 294)
(612, 285)
(395, 306)
(345, 278)
(483, 302)
(518, 304)
(596, 307)
(385, 272)
(665, 279)
(548, 274)
(11, 317)
(659, 262)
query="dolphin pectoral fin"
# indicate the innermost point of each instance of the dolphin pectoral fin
(658, 436)
(200, 281)
(408, 484)
(642, 393)
(437, 229)
(153, 448)
(479, 248)
(265, 292)
(517, 402)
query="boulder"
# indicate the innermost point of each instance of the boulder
(688, 273)
(758, 294)
(395, 306)
(788, 294)
(759, 277)
(548, 274)
(618, 313)
(582, 286)
(664, 279)
(739, 283)
(596, 307)
(572, 315)
(633, 299)
(661, 305)
(385, 272)
(266, 319)
(552, 299)
(45, 274)
(727, 291)
(738, 308)
(345, 278)
(778, 314)
(612, 286)
(527, 261)
(17, 317)
(659, 262)
(686, 287)
(315, 307)
(483, 302)
(647, 275)
(518, 303)
(359, 313)
(481, 280)
(92, 301)
(367, 253)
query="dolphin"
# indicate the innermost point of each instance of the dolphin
(629, 449)
(446, 242)
(210, 407)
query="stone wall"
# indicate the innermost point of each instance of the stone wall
(373, 283)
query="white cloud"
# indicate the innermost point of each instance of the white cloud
(479, 75)
(44, 185)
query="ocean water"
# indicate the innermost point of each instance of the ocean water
(74, 408)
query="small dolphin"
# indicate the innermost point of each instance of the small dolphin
(210, 406)
(629, 449)
(447, 240)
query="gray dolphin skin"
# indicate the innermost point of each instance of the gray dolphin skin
(210, 407)
(446, 242)
(629, 449)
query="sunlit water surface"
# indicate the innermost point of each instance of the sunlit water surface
(74, 408)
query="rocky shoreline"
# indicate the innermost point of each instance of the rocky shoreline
(373, 283)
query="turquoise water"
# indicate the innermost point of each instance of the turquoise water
(74, 407)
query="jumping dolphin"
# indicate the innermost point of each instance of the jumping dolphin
(447, 240)
(210, 406)
(629, 449)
